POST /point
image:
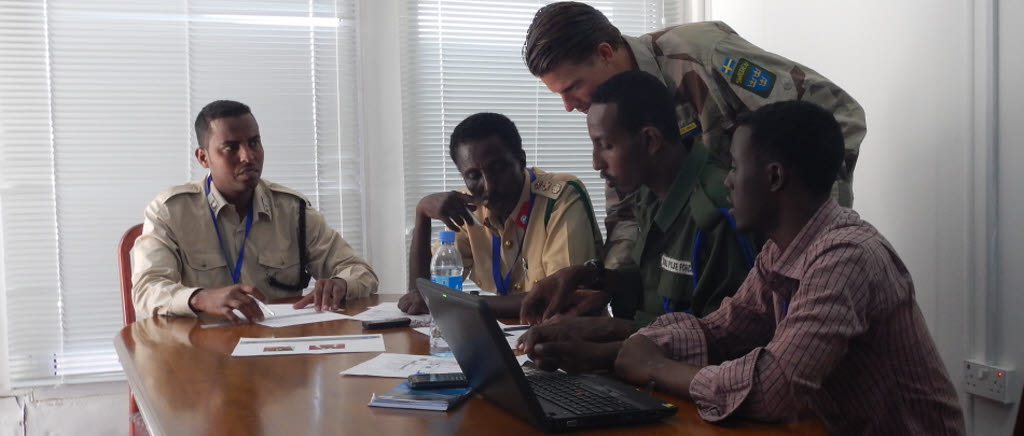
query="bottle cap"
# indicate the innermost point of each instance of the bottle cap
(446, 236)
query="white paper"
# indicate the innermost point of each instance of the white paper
(384, 311)
(309, 345)
(285, 316)
(403, 365)
(511, 336)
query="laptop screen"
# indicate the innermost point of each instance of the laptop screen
(471, 330)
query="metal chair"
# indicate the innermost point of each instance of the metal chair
(136, 425)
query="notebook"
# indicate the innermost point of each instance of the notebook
(404, 397)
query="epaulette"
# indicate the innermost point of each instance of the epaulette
(550, 185)
(188, 188)
(286, 190)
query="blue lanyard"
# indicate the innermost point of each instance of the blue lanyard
(745, 249)
(499, 283)
(241, 253)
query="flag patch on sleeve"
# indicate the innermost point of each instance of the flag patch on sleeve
(749, 76)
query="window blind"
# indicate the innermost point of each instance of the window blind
(97, 104)
(462, 57)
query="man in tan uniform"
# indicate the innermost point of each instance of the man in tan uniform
(538, 222)
(213, 245)
(712, 73)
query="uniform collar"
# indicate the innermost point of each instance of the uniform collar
(524, 198)
(260, 200)
(791, 262)
(684, 184)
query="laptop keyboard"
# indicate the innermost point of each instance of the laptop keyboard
(569, 393)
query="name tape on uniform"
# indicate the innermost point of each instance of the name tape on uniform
(676, 266)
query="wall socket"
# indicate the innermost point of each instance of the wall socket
(988, 381)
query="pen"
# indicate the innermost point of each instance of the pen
(475, 219)
(262, 306)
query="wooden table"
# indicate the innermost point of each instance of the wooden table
(186, 383)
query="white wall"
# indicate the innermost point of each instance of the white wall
(382, 141)
(1008, 336)
(885, 57)
(909, 64)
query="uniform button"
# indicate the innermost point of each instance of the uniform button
(508, 244)
(518, 286)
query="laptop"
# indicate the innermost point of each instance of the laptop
(551, 401)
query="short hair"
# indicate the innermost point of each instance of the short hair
(483, 125)
(215, 110)
(803, 137)
(566, 31)
(642, 101)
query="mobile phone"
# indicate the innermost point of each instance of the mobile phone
(438, 381)
(386, 323)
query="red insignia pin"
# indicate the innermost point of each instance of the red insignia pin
(523, 216)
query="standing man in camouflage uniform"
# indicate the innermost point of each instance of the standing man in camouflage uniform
(712, 74)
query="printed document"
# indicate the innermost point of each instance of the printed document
(309, 345)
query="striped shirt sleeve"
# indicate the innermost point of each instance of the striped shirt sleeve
(827, 310)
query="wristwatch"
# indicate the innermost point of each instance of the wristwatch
(600, 275)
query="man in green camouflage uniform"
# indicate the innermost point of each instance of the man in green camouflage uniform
(712, 74)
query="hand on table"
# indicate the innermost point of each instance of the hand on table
(412, 303)
(223, 301)
(327, 295)
(638, 359)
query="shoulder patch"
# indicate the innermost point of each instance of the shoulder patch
(690, 129)
(749, 76)
(550, 185)
(285, 190)
(188, 188)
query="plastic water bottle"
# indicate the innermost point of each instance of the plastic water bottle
(445, 269)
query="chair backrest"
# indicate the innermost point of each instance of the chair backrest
(124, 263)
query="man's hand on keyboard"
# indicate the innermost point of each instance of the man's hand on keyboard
(576, 356)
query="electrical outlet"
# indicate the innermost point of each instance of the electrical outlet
(988, 381)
